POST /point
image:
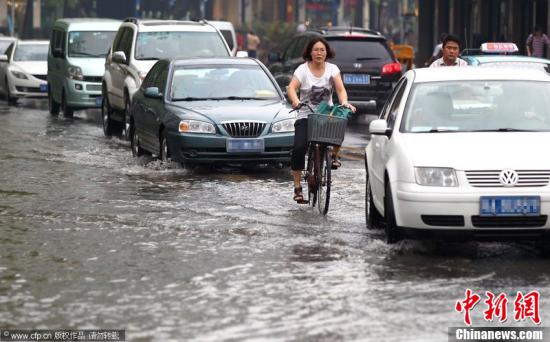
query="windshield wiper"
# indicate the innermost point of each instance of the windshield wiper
(190, 98)
(366, 58)
(148, 59)
(504, 130)
(440, 130)
(86, 54)
(241, 98)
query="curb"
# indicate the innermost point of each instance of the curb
(352, 153)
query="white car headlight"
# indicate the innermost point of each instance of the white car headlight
(435, 176)
(19, 74)
(283, 126)
(194, 126)
(75, 73)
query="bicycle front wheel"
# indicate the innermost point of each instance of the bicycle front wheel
(324, 181)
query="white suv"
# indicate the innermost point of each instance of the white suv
(137, 46)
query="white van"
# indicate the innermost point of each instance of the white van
(76, 63)
(228, 32)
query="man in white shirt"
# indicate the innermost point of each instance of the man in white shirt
(450, 49)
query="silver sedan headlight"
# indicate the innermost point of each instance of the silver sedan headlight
(283, 126)
(19, 74)
(435, 176)
(194, 126)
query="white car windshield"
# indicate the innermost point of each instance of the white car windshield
(466, 106)
(221, 82)
(28, 53)
(90, 44)
(157, 45)
(518, 65)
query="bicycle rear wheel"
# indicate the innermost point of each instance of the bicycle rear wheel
(309, 176)
(324, 180)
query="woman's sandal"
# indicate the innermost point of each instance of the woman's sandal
(336, 163)
(299, 195)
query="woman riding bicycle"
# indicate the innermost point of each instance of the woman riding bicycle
(316, 79)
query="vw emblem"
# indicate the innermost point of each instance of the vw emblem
(508, 177)
(357, 65)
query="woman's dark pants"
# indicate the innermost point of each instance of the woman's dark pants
(298, 158)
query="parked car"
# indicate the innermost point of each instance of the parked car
(76, 63)
(23, 70)
(212, 111)
(368, 67)
(458, 154)
(503, 55)
(139, 43)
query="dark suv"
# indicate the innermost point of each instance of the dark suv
(367, 65)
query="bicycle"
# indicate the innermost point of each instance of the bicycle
(323, 132)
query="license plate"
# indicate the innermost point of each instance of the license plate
(245, 145)
(98, 101)
(44, 88)
(356, 79)
(510, 205)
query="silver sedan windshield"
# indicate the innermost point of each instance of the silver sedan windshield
(466, 106)
(221, 82)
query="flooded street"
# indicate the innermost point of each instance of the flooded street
(91, 237)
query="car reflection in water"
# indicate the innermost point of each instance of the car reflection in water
(212, 111)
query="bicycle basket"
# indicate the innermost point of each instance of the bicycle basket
(326, 129)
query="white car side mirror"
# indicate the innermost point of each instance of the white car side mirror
(378, 127)
(3, 58)
(119, 57)
(242, 53)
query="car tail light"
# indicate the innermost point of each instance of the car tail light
(391, 68)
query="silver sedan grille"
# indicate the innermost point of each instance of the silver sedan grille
(490, 178)
(244, 129)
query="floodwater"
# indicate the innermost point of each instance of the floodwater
(92, 238)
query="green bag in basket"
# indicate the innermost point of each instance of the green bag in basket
(341, 112)
(323, 108)
(338, 111)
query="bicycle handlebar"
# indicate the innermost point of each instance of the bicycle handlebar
(303, 104)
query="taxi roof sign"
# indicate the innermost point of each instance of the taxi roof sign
(504, 48)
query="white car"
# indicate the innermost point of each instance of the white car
(138, 45)
(23, 70)
(460, 152)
